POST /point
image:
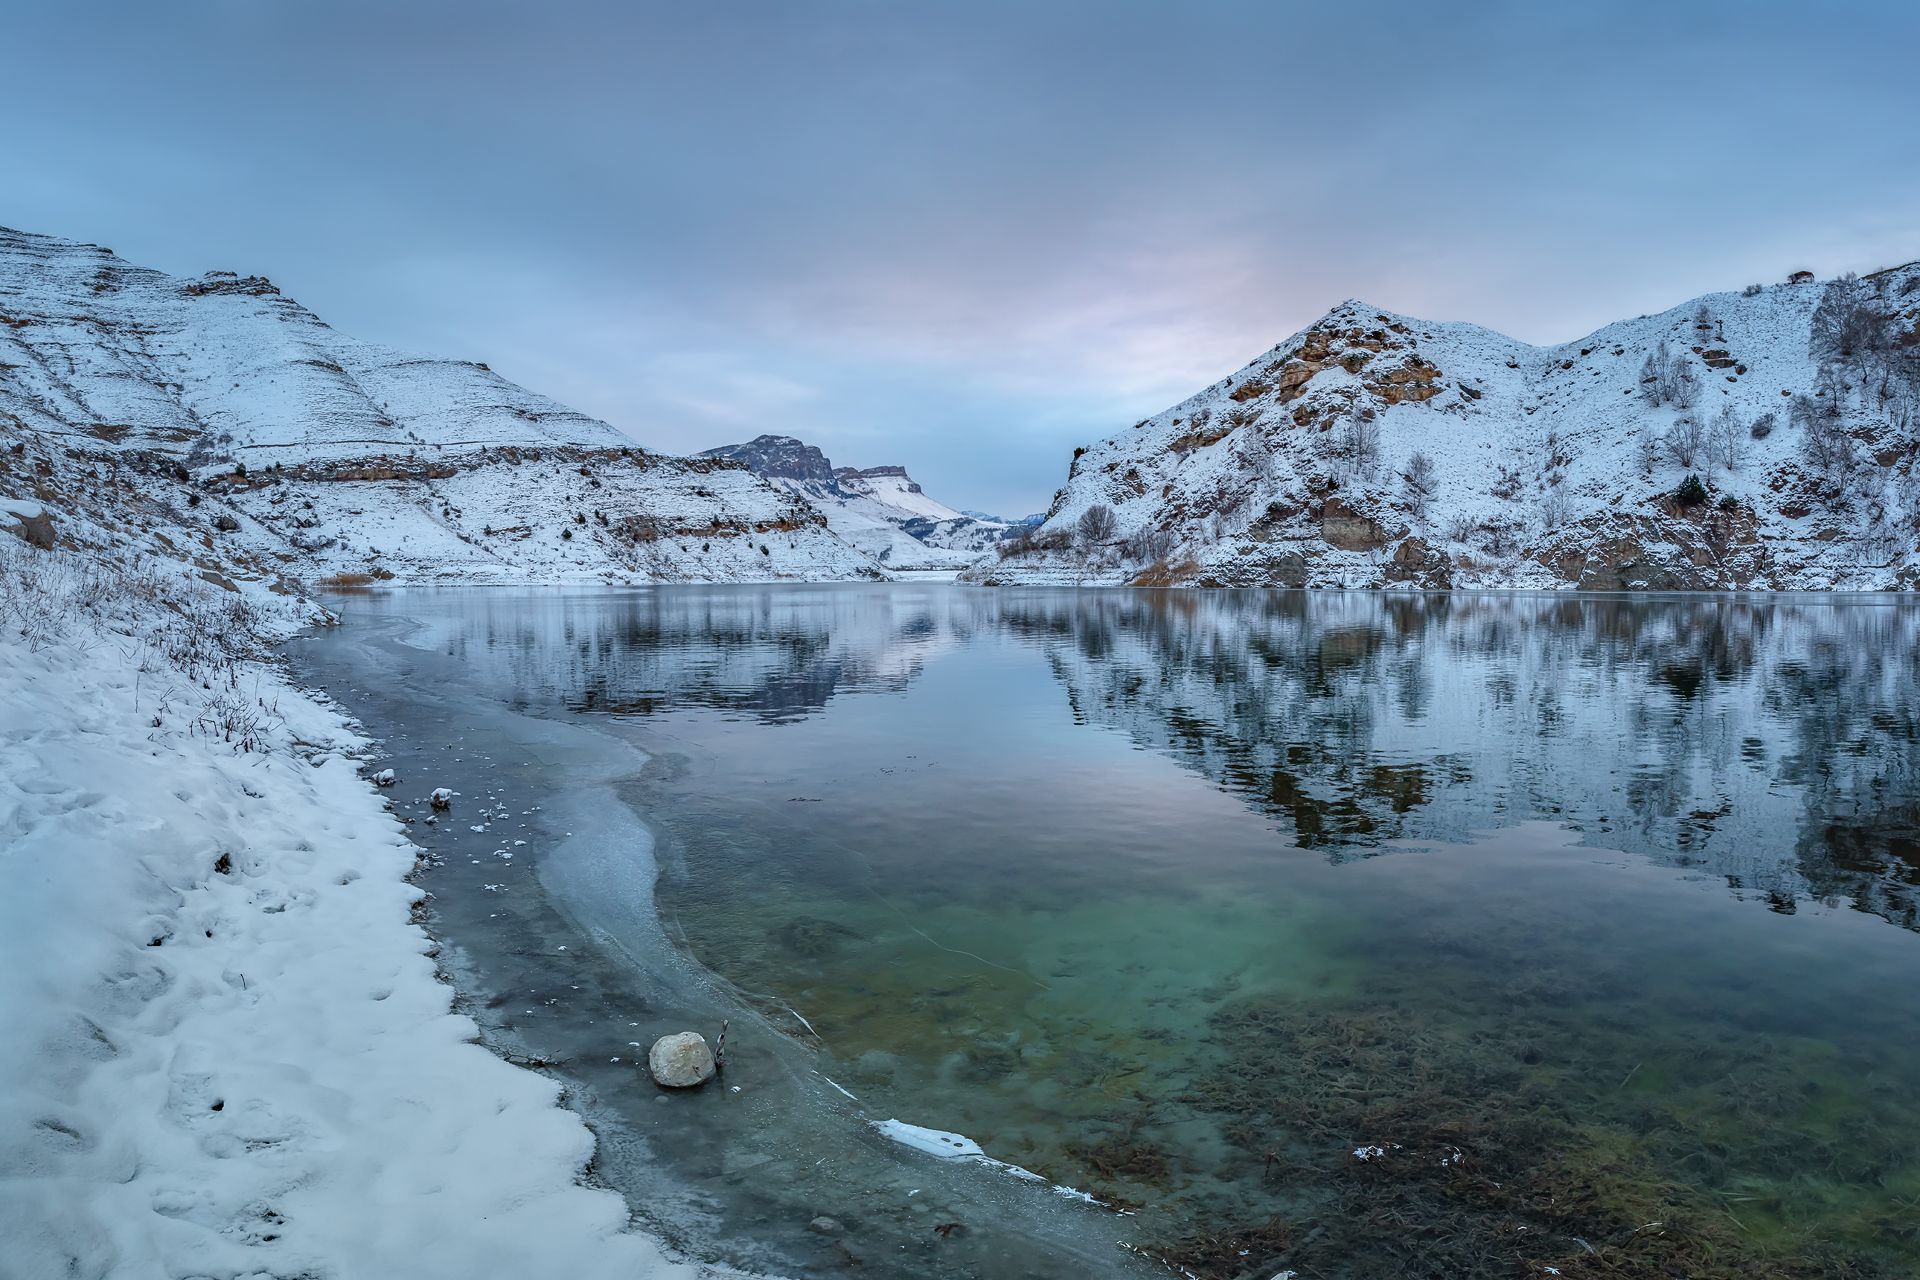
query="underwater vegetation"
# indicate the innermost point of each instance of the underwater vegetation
(1388, 1140)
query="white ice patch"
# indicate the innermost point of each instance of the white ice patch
(935, 1142)
(958, 1146)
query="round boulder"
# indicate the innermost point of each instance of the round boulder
(681, 1060)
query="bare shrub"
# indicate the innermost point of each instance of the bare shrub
(1420, 479)
(1148, 546)
(1647, 453)
(1686, 440)
(1656, 376)
(1852, 325)
(1556, 507)
(1725, 437)
(1357, 444)
(1686, 385)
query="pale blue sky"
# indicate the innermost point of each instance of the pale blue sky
(963, 237)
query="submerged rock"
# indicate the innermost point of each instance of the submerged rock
(681, 1060)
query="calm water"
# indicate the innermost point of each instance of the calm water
(1347, 934)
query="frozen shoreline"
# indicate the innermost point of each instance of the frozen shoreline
(483, 718)
(229, 1049)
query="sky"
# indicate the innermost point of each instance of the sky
(960, 237)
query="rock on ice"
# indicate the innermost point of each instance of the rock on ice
(681, 1060)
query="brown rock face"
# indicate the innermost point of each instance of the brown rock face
(1419, 564)
(1294, 375)
(1343, 527)
(1415, 380)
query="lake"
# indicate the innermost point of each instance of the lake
(1246, 933)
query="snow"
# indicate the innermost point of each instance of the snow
(1239, 474)
(218, 399)
(228, 1052)
(21, 509)
(881, 511)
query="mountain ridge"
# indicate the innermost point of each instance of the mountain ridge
(1371, 449)
(220, 412)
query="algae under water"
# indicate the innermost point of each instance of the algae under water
(1351, 935)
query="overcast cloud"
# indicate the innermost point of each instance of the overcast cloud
(961, 237)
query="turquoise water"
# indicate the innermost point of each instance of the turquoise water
(1346, 934)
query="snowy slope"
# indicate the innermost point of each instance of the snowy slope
(880, 510)
(219, 399)
(1548, 466)
(228, 1050)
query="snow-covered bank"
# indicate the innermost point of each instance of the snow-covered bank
(227, 1050)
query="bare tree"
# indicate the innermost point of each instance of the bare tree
(1356, 444)
(1420, 481)
(1648, 453)
(1656, 376)
(1852, 324)
(1686, 440)
(1830, 390)
(1827, 445)
(1824, 439)
(1097, 525)
(1724, 438)
(1686, 385)
(1149, 545)
(1556, 507)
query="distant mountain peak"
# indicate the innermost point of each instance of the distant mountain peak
(881, 510)
(777, 457)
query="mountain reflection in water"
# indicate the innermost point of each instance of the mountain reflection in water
(1771, 741)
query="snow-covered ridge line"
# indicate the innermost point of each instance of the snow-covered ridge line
(446, 470)
(1376, 450)
(880, 510)
(228, 1051)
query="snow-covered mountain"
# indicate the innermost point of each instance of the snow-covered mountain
(217, 411)
(1374, 449)
(880, 510)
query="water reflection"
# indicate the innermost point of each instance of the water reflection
(1768, 741)
(1185, 898)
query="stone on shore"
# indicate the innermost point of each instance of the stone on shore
(681, 1060)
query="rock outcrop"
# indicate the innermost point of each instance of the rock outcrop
(28, 521)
